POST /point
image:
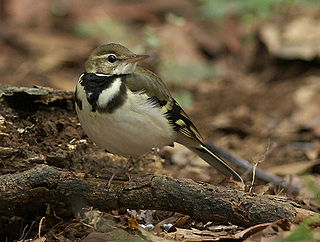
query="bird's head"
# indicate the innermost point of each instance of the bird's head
(112, 59)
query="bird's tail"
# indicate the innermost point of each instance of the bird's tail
(214, 160)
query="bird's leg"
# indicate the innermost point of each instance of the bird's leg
(126, 171)
(110, 180)
(127, 168)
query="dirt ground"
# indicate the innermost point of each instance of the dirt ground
(245, 93)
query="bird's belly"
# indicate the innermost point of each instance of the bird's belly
(131, 130)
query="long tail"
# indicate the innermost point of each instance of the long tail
(207, 155)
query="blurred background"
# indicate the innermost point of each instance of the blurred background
(246, 71)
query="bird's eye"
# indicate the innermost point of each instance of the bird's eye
(112, 58)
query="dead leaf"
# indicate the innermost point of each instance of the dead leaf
(133, 222)
(170, 220)
(183, 222)
(145, 215)
(252, 230)
(283, 224)
(260, 189)
(303, 214)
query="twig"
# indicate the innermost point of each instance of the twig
(40, 226)
(24, 230)
(25, 236)
(253, 176)
(256, 163)
(87, 225)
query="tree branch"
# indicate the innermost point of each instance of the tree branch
(34, 188)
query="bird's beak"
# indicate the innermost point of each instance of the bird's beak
(136, 58)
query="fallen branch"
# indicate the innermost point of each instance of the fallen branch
(34, 188)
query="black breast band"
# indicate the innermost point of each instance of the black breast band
(94, 84)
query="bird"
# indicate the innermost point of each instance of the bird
(128, 110)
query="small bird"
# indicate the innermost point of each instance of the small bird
(128, 110)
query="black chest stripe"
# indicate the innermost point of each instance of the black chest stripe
(94, 85)
(78, 101)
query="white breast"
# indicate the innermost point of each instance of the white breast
(108, 94)
(132, 130)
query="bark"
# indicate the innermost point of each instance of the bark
(27, 191)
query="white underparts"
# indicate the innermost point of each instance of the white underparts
(131, 130)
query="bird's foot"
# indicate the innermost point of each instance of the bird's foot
(128, 167)
(110, 180)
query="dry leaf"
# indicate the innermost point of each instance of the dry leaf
(283, 224)
(133, 222)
